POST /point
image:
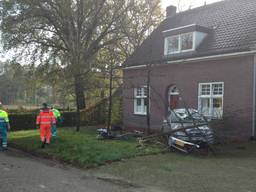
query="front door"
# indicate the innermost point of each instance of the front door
(173, 98)
(174, 101)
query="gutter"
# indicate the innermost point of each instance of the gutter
(178, 28)
(197, 59)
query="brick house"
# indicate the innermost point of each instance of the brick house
(203, 58)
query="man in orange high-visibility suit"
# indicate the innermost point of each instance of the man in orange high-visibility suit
(45, 120)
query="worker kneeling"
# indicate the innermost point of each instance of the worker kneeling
(45, 120)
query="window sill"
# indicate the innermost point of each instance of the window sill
(179, 52)
(140, 114)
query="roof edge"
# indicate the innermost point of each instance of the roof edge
(196, 59)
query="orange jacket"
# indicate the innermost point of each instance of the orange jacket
(45, 117)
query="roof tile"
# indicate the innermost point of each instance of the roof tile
(233, 24)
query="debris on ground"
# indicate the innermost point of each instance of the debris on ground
(185, 130)
(117, 133)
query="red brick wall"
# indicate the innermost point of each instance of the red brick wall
(236, 73)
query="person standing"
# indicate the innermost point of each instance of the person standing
(4, 127)
(57, 116)
(45, 120)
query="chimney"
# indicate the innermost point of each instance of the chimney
(171, 11)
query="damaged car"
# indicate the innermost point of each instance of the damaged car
(188, 129)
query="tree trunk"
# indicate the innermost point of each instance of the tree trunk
(110, 99)
(54, 94)
(80, 99)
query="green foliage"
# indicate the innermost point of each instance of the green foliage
(77, 35)
(81, 148)
(33, 85)
(12, 83)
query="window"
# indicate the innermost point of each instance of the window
(187, 41)
(179, 43)
(140, 100)
(210, 99)
(173, 44)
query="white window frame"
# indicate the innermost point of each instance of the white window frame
(180, 43)
(166, 45)
(211, 96)
(143, 97)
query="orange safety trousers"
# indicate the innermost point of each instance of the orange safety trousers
(45, 120)
(45, 133)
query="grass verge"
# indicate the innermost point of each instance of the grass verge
(80, 148)
(232, 171)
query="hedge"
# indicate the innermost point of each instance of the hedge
(96, 115)
(22, 121)
(28, 121)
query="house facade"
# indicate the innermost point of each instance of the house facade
(203, 58)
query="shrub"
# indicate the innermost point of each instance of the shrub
(22, 121)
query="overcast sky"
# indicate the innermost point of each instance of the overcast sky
(185, 4)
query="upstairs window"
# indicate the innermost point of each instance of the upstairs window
(173, 44)
(179, 43)
(186, 41)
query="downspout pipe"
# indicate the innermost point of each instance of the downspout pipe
(254, 100)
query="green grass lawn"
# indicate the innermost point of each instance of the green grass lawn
(81, 148)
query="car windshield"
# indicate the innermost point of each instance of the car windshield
(186, 116)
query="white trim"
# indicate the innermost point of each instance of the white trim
(174, 29)
(254, 99)
(194, 41)
(205, 58)
(176, 93)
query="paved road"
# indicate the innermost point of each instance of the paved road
(19, 172)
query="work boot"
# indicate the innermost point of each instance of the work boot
(4, 148)
(43, 144)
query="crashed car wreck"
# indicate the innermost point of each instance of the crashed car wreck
(187, 130)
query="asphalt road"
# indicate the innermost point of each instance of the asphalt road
(20, 172)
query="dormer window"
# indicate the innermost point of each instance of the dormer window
(172, 44)
(179, 43)
(184, 39)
